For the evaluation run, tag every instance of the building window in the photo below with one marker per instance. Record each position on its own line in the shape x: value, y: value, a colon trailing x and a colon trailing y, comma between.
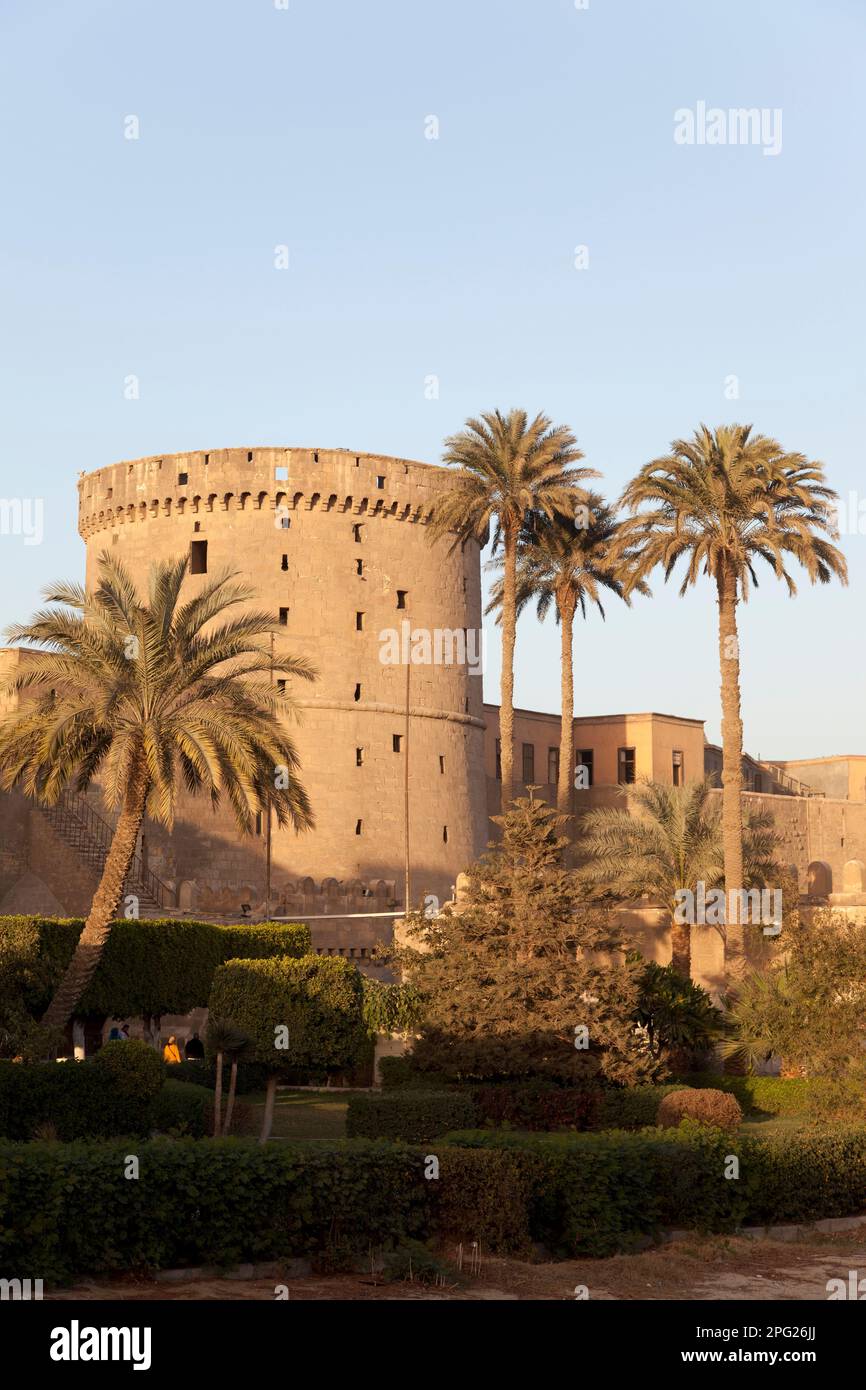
x: 196, y: 526
x: 281, y: 475
x: 316, y: 456
x: 380, y: 482
x: 499, y: 760
x: 359, y: 566
x: 281, y: 686
x: 284, y: 563
x: 758, y: 783
x: 356, y: 532
x: 285, y: 521
x: 359, y: 757
x: 358, y: 827
x: 583, y: 768
x: 625, y: 765
x: 182, y: 479
x: 553, y: 766
x: 677, y: 767
x: 442, y: 763
x: 284, y: 617
x: 528, y: 763
x: 396, y: 742
x: 445, y: 834
x: 401, y: 598
x: 359, y: 622
x: 357, y: 694
x: 198, y: 557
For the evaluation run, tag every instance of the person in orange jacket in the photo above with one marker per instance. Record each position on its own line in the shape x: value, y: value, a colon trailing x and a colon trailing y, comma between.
x: 171, y: 1051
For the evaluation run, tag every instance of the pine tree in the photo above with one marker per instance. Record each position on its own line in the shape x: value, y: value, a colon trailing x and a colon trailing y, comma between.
x: 524, y: 978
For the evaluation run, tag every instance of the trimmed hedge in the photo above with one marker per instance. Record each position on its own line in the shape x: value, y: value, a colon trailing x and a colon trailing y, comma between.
x: 631, y: 1107
x: 67, y: 1210
x: 148, y: 967
x: 773, y: 1095
x: 183, y: 1109
x: 113, y: 1094
x: 413, y: 1116
x: 317, y: 999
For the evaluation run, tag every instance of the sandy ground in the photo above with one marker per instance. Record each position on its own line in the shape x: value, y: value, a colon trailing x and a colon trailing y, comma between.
x: 706, y: 1269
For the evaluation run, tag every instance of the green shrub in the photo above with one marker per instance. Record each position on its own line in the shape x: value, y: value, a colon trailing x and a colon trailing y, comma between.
x: 183, y: 1109
x: 317, y: 1000
x: 631, y: 1107
x: 707, y: 1107
x: 252, y: 1076
x: 807, y: 1175
x: 772, y: 1095
x: 414, y: 1116
x: 390, y: 1008
x: 538, y: 1105
x: 134, y: 1069
x: 79, y: 1100
x: 147, y: 968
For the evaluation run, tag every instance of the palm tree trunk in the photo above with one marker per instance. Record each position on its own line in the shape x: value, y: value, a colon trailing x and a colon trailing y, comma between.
x: 230, y: 1103
x: 566, y: 732
x: 97, y: 928
x: 268, y: 1117
x: 218, y: 1097
x: 509, y: 630
x: 681, y: 948
x: 732, y: 766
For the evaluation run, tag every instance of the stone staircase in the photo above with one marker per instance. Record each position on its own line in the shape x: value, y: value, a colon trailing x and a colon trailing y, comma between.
x: 89, y: 836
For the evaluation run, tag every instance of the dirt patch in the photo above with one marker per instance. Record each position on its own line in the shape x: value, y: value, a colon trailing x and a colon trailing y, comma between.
x: 714, y: 1268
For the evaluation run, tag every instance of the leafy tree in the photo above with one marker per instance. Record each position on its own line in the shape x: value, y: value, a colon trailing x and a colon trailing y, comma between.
x: 679, y: 1016
x: 522, y: 974
x: 566, y: 562
x: 673, y: 843
x: 809, y: 1006
x: 721, y: 501
x: 506, y: 467
x: 143, y: 694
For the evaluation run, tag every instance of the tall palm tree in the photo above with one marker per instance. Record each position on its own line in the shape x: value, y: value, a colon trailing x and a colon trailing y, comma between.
x: 723, y: 500
x: 142, y: 692
x: 673, y: 843
x: 564, y: 562
x: 506, y: 467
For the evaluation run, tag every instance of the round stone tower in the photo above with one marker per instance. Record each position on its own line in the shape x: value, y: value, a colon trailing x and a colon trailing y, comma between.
x: 335, y: 544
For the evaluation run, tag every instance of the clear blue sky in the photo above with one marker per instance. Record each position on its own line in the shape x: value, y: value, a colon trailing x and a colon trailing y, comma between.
x: 455, y: 257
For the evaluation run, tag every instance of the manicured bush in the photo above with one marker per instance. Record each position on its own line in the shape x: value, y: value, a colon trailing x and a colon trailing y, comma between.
x: 414, y: 1116
x: 631, y: 1107
x: 183, y: 1109
x: 313, y: 1004
x: 708, y: 1107
x: 390, y: 1008
x: 133, y: 1068
x: 806, y: 1175
x: 772, y: 1095
x: 77, y: 1100
x: 149, y: 967
x: 538, y: 1105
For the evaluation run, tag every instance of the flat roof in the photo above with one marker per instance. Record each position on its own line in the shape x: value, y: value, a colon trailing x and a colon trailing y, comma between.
x: 602, y: 718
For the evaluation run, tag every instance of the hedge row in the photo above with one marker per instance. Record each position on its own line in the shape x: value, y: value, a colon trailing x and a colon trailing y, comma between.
x: 774, y: 1095
x: 69, y: 1210
x: 148, y: 967
x: 417, y: 1116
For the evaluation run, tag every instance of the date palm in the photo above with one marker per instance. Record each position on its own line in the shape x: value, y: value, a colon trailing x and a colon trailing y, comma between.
x: 721, y: 501
x: 673, y: 842
x: 566, y: 562
x: 506, y: 467
x: 143, y: 694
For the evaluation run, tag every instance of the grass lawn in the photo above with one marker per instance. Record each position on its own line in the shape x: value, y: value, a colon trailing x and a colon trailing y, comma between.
x: 304, y: 1114
x: 761, y: 1126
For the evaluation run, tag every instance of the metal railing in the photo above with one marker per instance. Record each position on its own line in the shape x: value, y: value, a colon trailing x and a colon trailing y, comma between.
x: 85, y: 830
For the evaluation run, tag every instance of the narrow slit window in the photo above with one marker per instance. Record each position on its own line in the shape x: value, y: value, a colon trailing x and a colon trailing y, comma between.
x: 380, y: 482
x: 401, y: 598
x: 445, y: 834
x: 359, y: 757
x: 677, y: 767
x: 284, y: 563
x: 198, y: 557
x: 358, y: 825
x: 357, y: 691
x: 442, y: 763
x: 182, y: 479
x: 281, y: 686
x: 316, y: 456
x: 359, y: 622
x: 359, y: 566
x: 284, y: 617
x: 356, y: 532
x: 396, y: 742
x: 197, y: 526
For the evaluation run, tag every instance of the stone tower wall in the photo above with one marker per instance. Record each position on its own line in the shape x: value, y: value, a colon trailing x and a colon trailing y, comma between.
x: 295, y: 523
